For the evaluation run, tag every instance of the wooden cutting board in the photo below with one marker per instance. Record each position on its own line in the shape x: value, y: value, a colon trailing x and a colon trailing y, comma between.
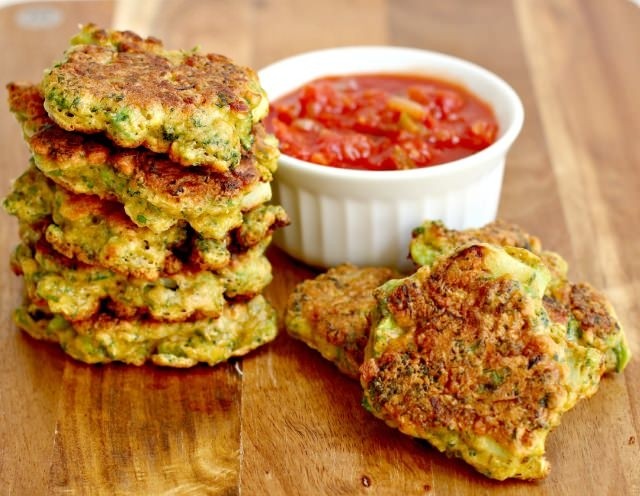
x: 282, y: 420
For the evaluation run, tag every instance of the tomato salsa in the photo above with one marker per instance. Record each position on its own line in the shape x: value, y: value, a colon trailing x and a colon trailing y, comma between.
x: 381, y: 122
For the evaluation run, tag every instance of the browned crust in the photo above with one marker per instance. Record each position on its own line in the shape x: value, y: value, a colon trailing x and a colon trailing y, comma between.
x: 472, y: 362
x: 164, y: 177
x: 592, y: 309
x: 126, y: 63
x: 337, y: 306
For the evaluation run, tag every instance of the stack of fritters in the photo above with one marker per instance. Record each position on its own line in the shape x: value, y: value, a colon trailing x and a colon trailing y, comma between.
x: 480, y: 351
x: 143, y: 213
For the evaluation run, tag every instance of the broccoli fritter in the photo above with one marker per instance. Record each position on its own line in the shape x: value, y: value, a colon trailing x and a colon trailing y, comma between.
x: 464, y: 355
x: 585, y: 313
x: 198, y: 108
x: 432, y: 239
x: 598, y: 325
x: 240, y: 328
x: 78, y: 291
x: 156, y: 192
x: 98, y: 232
x: 92, y: 230
x: 332, y: 313
x: 589, y: 319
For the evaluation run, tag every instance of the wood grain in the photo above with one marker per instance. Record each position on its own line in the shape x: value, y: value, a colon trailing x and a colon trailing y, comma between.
x: 282, y: 420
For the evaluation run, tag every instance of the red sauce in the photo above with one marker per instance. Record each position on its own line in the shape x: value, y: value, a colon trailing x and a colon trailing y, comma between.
x: 381, y: 122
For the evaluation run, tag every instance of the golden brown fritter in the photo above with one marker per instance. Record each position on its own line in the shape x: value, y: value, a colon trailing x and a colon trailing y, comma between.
x: 332, y: 313
x: 78, y: 291
x: 156, y: 192
x: 198, y: 108
x: 98, y: 232
x: 464, y: 355
x: 585, y: 313
x: 590, y: 320
x: 241, y: 327
x: 432, y: 239
x: 575, y: 306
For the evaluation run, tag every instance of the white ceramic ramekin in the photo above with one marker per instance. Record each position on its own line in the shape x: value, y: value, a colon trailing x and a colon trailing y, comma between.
x: 366, y: 217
